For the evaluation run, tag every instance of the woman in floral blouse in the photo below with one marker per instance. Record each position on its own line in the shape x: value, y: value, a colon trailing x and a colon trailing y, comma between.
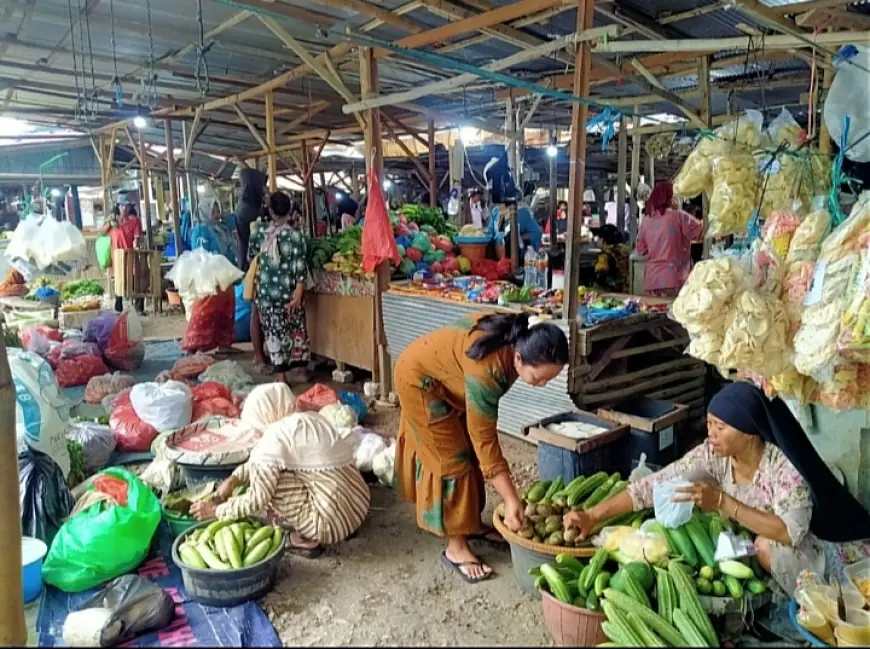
x: 758, y: 468
x: 281, y: 276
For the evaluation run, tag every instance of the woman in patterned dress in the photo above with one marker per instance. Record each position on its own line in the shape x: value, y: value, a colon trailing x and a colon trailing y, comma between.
x: 449, y: 383
x: 665, y: 238
x: 758, y: 468
x: 281, y: 277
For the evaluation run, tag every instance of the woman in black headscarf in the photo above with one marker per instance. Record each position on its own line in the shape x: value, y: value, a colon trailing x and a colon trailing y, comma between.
x: 758, y: 468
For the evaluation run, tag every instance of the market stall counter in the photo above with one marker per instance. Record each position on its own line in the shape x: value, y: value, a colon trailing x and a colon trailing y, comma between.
x: 639, y: 352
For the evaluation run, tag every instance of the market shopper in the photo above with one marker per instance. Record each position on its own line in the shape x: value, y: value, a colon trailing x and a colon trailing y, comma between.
x: 758, y: 468
x: 611, y: 267
x: 301, y: 472
x: 449, y: 384
x: 251, y: 208
x: 124, y: 230
x: 213, y: 230
x: 282, y: 270
x: 665, y: 238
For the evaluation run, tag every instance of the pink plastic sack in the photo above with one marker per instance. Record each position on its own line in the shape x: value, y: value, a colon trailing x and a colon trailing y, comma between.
x: 100, y: 387
x: 211, y: 399
x: 46, y: 332
x: 78, y: 370
x: 131, y: 433
x: 316, y: 398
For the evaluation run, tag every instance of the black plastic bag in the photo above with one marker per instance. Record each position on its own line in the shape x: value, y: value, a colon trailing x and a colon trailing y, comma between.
x: 43, y: 495
x: 137, y: 606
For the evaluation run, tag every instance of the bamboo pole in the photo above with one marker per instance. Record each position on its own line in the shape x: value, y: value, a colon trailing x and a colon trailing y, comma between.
x: 577, y: 173
x: 634, y: 213
x: 621, y: 164
x: 173, y: 185
x: 706, y: 112
x: 374, y: 156
x: 554, y: 190
x: 146, y: 190
x: 433, y: 182
x: 13, y: 631
x: 699, y: 45
x: 270, y: 141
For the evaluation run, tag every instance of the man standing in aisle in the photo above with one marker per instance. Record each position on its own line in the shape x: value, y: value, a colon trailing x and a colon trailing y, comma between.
x: 253, y: 182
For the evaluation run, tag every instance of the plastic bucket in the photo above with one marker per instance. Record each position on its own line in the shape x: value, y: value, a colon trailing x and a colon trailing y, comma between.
x: 473, y: 251
x: 572, y: 626
x: 33, y: 551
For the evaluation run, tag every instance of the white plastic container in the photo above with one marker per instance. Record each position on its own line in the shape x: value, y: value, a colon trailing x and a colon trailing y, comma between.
x: 856, y: 573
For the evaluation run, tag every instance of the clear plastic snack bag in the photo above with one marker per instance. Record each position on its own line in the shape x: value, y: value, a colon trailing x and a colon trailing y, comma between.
x: 668, y: 512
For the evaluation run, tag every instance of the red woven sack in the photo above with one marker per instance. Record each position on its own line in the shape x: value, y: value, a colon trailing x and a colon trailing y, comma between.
x: 212, y: 323
x: 378, y: 244
x: 131, y: 433
x: 78, y: 370
x: 121, y: 352
x: 316, y: 398
x: 213, y: 407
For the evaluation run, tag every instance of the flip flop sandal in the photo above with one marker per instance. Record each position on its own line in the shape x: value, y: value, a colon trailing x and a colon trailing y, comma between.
x: 457, y: 566
x: 492, y: 537
x: 305, y: 553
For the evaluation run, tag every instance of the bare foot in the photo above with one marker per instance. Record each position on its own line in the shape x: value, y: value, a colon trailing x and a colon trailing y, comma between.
x: 299, y: 541
x: 464, y: 561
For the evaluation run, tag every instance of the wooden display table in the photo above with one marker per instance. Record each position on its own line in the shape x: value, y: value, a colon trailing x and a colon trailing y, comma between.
x: 138, y: 274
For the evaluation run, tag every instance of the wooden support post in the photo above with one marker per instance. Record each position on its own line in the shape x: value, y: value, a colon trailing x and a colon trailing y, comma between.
x: 433, y: 183
x: 577, y: 170
x: 13, y: 631
x: 146, y: 190
x: 634, y: 214
x: 621, y: 164
x: 173, y: 186
x: 374, y: 156
x: 706, y: 113
x: 554, y: 190
x: 824, y: 136
x: 309, y: 210
x: 105, y: 179
x: 189, y: 182
x: 270, y: 142
x: 354, y: 184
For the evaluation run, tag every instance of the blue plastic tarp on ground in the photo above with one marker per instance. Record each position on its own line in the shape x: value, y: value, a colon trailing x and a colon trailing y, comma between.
x: 194, y: 625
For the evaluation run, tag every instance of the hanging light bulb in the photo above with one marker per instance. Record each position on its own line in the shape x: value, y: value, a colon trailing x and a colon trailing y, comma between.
x: 55, y: 192
x: 140, y: 122
x: 387, y: 184
x: 467, y: 133
x: 339, y: 196
x: 552, y: 151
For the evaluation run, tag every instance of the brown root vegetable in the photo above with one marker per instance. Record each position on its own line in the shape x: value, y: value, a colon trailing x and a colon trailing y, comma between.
x: 545, y: 510
x: 527, y: 532
x: 531, y: 509
x: 535, y: 518
x: 556, y: 538
x: 570, y: 535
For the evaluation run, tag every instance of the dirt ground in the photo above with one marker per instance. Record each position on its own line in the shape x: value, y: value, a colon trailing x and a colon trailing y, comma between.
x: 387, y: 586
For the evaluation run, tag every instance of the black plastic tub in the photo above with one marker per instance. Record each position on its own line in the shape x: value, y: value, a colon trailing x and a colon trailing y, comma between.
x: 228, y: 587
x: 195, y: 474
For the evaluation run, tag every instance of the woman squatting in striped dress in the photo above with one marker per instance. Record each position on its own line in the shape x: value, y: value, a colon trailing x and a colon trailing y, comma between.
x: 301, y: 474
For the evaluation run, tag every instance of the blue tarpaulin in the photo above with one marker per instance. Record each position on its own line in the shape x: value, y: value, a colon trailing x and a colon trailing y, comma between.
x: 194, y: 625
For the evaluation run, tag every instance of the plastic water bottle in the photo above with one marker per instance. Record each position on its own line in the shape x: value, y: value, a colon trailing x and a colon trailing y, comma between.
x: 529, y: 267
x: 542, y: 270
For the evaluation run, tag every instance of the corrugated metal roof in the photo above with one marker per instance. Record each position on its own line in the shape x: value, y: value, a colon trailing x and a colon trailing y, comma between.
x: 406, y: 318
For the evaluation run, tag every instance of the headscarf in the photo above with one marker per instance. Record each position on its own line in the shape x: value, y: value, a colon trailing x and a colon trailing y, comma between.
x: 214, y: 235
x: 660, y: 198
x: 837, y: 516
x: 303, y: 441
x: 270, y: 240
x: 267, y: 404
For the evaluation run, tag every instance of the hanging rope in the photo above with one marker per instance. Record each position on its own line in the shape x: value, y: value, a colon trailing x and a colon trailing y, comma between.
x: 116, y: 80
x: 72, y: 39
x: 94, y: 95
x: 151, y: 93
x: 201, y: 71
x: 84, y: 98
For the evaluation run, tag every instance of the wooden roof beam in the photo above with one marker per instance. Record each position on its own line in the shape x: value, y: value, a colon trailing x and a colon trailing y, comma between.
x: 407, y: 151
x: 385, y: 16
x: 800, y: 7
x: 505, y: 33
x: 700, y: 45
x: 313, y: 110
x: 461, y: 79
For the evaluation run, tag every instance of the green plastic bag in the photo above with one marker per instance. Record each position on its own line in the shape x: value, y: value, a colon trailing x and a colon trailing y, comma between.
x: 103, y: 250
x: 103, y: 541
